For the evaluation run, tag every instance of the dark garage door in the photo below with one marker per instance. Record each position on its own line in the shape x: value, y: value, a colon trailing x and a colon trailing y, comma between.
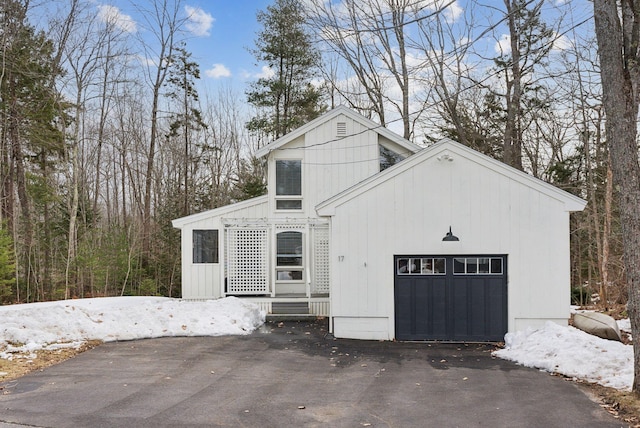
x: 454, y: 298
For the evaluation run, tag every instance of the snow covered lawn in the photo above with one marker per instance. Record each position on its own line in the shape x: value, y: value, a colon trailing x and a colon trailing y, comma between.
x: 69, y: 323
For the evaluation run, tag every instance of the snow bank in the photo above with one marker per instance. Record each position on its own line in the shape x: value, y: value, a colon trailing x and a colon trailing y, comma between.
x: 48, y: 325
x: 573, y: 353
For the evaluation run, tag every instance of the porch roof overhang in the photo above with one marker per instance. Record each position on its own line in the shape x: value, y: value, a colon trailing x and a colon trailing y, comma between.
x: 265, y: 222
x: 179, y: 223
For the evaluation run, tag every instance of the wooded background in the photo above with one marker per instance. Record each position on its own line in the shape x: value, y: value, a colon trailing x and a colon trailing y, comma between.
x: 105, y: 138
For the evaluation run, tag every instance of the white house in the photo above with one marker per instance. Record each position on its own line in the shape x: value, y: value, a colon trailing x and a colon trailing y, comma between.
x: 447, y: 244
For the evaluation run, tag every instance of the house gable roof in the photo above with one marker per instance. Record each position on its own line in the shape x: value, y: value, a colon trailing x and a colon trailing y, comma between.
x: 179, y: 223
x: 446, y: 146
x: 330, y: 115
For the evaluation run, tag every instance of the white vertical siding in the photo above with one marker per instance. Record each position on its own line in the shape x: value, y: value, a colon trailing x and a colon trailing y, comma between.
x: 490, y: 212
x: 205, y: 281
x: 330, y: 164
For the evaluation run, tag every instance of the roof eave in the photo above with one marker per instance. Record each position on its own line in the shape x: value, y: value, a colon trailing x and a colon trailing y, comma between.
x: 179, y: 223
x: 274, y: 145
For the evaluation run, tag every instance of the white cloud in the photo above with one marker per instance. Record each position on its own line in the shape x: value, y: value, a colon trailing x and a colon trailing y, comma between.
x: 218, y: 71
x: 503, y: 46
x: 453, y: 12
x: 199, y: 22
x: 561, y: 42
x: 450, y: 10
x: 114, y: 16
x: 265, y: 73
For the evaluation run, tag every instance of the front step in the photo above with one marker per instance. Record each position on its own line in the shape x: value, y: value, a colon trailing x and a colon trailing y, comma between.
x: 290, y: 308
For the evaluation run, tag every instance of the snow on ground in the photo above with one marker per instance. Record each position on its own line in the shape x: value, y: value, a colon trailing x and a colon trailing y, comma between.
x: 625, y: 325
x: 68, y: 323
x: 573, y: 353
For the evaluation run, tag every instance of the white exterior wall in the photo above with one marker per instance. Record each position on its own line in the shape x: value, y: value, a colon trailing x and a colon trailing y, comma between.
x: 204, y: 280
x: 491, y: 214
x: 329, y: 164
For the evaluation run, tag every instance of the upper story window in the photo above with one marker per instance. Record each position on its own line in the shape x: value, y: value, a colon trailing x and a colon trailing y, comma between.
x: 205, y: 246
x: 288, y: 184
x: 388, y: 157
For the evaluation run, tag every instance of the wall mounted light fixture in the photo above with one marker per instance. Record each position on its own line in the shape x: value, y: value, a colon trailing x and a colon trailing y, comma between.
x: 450, y: 236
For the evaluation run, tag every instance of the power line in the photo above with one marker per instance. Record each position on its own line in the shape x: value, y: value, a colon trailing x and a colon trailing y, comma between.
x: 455, y: 51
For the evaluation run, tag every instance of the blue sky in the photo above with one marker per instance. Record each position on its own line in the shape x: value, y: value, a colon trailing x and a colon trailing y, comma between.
x: 220, y: 31
x: 224, y: 50
x: 218, y: 34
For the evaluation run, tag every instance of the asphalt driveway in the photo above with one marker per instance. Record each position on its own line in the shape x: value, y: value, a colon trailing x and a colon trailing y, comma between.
x: 294, y: 375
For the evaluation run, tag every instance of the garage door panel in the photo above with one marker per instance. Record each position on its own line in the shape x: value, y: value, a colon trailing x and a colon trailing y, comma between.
x: 496, y: 309
x: 460, y: 308
x: 469, y: 304
x: 430, y: 308
x: 477, y: 307
x: 403, y: 306
x: 420, y: 308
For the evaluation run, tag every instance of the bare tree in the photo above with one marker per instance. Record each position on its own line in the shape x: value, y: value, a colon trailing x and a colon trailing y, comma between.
x: 370, y: 37
x: 91, y: 54
x: 618, y: 32
x: 164, y: 23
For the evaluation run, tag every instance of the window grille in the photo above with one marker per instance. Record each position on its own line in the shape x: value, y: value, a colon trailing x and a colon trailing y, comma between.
x: 247, y: 261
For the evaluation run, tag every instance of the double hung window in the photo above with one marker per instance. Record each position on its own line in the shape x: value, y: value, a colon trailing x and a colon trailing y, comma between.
x: 288, y: 184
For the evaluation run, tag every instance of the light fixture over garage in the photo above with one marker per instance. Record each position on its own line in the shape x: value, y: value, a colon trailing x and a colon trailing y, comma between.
x: 450, y: 236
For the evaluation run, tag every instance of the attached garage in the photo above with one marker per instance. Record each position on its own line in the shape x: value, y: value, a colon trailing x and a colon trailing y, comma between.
x: 448, y: 244
x: 456, y: 298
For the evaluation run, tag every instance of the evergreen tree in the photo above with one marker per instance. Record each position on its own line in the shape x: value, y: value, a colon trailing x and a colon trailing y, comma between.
x: 285, y: 99
x: 530, y: 41
x: 479, y: 124
x: 249, y: 182
x: 7, y: 265
x: 182, y: 75
x: 32, y: 119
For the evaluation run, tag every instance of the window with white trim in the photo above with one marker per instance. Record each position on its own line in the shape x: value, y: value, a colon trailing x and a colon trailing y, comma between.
x: 289, y: 256
x: 205, y: 246
x: 289, y: 184
x: 477, y: 266
x: 388, y: 157
x: 421, y: 266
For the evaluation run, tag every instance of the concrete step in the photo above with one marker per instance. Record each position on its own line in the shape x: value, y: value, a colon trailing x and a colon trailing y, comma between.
x: 288, y: 308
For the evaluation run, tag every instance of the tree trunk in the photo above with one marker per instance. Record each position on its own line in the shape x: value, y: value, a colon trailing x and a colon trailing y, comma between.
x: 512, y: 132
x: 617, y: 43
x: 606, y: 232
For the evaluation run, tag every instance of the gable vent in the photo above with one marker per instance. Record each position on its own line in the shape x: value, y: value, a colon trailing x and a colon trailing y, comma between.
x: 341, y: 129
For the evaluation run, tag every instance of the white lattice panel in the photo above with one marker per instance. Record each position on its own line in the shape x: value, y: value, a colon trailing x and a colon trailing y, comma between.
x: 247, y: 261
x: 320, y: 283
